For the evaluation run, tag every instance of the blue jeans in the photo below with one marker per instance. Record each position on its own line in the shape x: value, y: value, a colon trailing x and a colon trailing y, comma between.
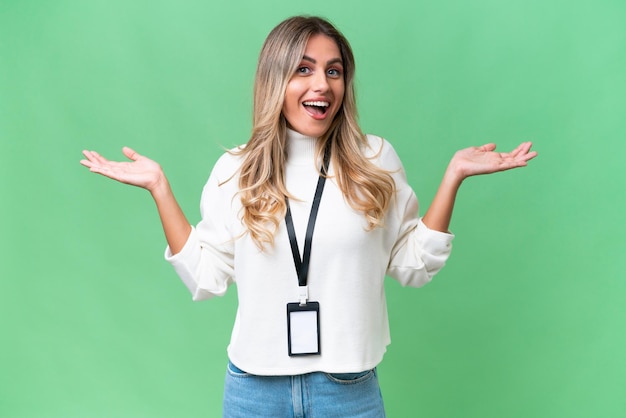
x: 312, y: 395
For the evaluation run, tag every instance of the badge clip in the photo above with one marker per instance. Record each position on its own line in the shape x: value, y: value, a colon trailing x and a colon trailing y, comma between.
x: 304, y: 295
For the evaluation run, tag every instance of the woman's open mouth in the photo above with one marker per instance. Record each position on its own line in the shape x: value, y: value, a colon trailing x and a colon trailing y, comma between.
x: 317, y: 109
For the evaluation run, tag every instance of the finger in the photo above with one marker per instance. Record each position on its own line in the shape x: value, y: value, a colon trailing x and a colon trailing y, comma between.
x: 529, y: 156
x: 517, y: 150
x: 524, y: 152
x: 86, y: 163
x: 131, y: 153
x: 89, y: 155
x: 105, y: 171
x: 92, y: 158
x: 521, y: 150
x: 525, y: 147
x: 522, y: 159
x: 98, y: 158
x: 488, y: 147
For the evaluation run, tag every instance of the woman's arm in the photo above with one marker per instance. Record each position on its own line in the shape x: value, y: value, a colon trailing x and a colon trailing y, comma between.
x: 147, y: 174
x: 471, y: 162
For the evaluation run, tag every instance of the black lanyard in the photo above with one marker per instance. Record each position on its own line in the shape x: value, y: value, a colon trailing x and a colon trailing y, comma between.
x: 302, y: 265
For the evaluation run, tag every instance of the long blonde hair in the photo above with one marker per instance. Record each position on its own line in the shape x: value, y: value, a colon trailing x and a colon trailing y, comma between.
x: 366, y: 187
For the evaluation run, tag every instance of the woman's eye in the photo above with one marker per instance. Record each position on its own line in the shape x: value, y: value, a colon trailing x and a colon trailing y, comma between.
x: 303, y: 70
x: 333, y: 72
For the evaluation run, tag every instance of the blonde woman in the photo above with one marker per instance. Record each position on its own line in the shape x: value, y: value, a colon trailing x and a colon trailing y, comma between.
x: 307, y: 218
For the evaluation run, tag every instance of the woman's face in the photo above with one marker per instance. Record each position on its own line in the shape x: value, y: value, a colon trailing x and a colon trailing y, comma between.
x: 315, y: 92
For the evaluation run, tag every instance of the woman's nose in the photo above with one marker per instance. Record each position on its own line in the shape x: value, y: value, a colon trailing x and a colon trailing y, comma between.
x: 320, y: 83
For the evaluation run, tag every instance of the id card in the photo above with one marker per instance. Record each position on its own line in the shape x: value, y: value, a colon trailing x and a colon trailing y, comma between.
x: 303, y: 329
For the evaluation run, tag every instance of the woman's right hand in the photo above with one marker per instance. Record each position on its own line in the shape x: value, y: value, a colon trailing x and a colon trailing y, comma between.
x: 141, y: 171
x: 145, y: 173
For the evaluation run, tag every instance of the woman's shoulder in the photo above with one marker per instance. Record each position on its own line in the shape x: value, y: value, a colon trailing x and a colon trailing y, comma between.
x: 381, y: 151
x: 227, y: 165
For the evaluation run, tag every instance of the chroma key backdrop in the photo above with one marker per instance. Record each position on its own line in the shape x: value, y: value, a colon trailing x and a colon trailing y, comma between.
x: 528, y: 318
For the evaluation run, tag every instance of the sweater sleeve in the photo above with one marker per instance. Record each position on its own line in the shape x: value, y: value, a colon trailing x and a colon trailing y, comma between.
x: 206, y: 262
x: 418, y: 252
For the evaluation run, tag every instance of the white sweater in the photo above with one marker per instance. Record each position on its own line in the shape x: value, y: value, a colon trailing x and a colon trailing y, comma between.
x: 346, y: 274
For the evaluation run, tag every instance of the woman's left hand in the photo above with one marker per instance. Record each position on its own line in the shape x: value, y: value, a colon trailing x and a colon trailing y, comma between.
x: 471, y: 162
x: 484, y: 160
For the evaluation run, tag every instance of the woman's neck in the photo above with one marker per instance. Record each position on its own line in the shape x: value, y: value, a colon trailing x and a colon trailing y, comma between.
x: 300, y: 148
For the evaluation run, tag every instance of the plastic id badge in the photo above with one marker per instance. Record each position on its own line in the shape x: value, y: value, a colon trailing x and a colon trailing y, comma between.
x: 303, y: 328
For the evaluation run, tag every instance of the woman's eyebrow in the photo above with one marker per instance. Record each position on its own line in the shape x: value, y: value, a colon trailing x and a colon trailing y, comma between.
x: 314, y: 61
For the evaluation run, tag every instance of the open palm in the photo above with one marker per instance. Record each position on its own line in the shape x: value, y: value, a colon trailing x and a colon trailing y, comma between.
x: 484, y: 159
x: 141, y: 171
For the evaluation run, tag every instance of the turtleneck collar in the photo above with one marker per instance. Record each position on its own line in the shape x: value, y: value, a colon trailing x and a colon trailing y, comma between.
x: 300, y: 148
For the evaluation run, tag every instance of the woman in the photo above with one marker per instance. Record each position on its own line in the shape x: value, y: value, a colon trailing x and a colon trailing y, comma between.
x: 311, y: 325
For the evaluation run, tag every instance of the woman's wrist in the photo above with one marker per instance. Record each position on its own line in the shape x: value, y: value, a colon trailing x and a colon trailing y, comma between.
x: 453, y: 175
x: 161, y: 188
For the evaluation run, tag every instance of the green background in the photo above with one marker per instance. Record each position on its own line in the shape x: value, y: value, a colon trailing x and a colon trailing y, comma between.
x: 528, y: 319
